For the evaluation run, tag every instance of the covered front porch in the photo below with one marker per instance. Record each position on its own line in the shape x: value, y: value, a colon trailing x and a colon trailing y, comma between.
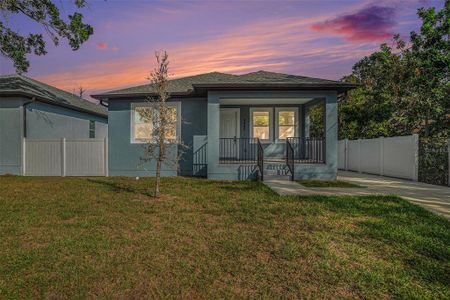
x: 250, y: 133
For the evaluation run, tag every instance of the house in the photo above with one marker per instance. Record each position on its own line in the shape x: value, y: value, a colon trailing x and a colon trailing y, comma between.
x: 236, y: 126
x: 34, y: 110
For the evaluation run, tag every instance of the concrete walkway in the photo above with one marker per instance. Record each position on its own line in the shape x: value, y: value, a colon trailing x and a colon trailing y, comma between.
x: 432, y: 197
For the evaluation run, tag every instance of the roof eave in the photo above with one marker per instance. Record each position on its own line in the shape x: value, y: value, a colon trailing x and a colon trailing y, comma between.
x: 341, y: 87
x: 106, y: 97
x: 52, y: 102
x: 200, y: 89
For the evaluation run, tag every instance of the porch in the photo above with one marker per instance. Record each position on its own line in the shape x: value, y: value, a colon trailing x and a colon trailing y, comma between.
x: 253, y: 134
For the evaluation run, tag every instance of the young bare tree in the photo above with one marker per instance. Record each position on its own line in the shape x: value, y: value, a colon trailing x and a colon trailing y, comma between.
x: 163, y: 145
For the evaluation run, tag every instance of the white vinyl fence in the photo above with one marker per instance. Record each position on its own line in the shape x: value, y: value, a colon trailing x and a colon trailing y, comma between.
x: 65, y: 157
x: 392, y: 156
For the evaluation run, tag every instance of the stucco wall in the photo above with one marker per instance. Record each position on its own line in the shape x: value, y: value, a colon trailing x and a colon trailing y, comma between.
x: 10, y: 136
x: 49, y: 122
x: 43, y: 121
x: 124, y: 157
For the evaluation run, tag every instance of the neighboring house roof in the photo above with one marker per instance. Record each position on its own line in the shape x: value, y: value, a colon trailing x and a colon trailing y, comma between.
x: 25, y: 86
x: 215, y: 80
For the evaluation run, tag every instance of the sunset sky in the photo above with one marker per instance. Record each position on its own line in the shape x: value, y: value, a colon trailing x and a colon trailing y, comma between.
x: 311, y: 38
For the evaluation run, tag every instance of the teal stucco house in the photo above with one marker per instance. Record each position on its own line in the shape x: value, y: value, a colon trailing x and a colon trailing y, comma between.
x: 235, y: 126
x: 33, y: 110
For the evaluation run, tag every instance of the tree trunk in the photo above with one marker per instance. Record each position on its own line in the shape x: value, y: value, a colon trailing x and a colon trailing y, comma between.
x: 158, y: 177
x: 159, y: 162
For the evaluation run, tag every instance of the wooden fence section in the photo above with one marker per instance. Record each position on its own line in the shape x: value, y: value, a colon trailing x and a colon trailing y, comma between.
x: 65, y: 157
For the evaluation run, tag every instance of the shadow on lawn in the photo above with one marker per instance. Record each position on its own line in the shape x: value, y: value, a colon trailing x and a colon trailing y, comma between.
x: 420, y: 238
x: 115, y: 186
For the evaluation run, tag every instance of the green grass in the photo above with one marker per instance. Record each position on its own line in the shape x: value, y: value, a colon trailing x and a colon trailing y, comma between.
x: 106, y: 238
x: 326, y: 183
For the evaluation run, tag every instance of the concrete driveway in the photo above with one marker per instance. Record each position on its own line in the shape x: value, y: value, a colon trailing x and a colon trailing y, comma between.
x: 431, y: 197
x: 434, y: 198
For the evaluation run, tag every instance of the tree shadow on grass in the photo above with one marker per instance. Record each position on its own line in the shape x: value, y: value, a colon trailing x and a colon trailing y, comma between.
x: 117, y: 187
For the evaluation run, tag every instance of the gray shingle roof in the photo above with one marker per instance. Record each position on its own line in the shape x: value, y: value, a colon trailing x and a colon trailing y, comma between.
x: 188, y: 84
x: 22, y: 85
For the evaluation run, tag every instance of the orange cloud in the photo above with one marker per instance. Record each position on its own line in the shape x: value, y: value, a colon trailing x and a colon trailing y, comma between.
x: 272, y: 44
x: 102, y: 46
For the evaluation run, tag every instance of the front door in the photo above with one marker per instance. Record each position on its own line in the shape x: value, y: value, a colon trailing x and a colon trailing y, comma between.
x: 229, y: 133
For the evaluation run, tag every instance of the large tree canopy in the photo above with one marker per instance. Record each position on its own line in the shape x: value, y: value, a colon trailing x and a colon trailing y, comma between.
x: 17, y: 47
x: 405, y: 87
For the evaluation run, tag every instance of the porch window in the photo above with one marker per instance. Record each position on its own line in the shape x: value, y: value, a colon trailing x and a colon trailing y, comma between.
x: 261, y: 118
x: 142, y: 122
x: 286, y: 122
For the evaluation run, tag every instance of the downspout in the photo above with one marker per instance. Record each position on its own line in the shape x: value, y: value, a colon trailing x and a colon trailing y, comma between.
x: 103, y: 104
x: 25, y: 116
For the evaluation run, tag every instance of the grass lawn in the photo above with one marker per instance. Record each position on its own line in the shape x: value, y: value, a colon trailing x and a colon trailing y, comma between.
x: 105, y: 237
x: 325, y: 183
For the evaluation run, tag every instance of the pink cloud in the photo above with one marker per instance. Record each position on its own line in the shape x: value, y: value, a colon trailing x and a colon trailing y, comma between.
x: 102, y: 46
x: 372, y: 23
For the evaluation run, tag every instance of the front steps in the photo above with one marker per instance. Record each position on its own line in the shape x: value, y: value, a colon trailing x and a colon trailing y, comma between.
x: 276, y: 170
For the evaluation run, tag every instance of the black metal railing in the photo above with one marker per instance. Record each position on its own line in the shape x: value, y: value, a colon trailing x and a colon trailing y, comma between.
x: 199, y: 161
x: 238, y: 150
x: 290, y: 158
x: 308, y: 150
x: 260, y: 159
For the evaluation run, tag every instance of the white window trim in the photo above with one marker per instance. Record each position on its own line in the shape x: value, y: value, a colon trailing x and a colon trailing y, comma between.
x: 277, y: 130
x: 264, y: 109
x: 149, y: 104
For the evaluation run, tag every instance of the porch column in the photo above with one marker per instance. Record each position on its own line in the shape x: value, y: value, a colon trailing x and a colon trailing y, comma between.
x: 306, y: 121
x: 213, y: 133
x: 331, y: 131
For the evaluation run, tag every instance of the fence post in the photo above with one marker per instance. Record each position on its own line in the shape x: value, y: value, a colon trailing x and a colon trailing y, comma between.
x: 63, y: 157
x: 346, y: 154
x: 381, y: 155
x: 415, y: 173
x: 448, y: 152
x: 359, y: 155
x: 105, y: 153
x: 24, y: 159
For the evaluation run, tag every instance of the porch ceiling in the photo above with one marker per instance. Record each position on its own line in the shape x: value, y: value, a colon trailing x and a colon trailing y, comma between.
x: 263, y: 101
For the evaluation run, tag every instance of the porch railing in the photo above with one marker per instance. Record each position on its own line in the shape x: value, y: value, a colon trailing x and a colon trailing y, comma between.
x: 238, y: 150
x: 290, y: 158
x: 308, y: 150
x: 261, y: 159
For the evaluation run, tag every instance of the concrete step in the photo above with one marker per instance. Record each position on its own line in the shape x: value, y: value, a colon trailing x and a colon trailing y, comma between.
x: 276, y: 169
x: 277, y: 177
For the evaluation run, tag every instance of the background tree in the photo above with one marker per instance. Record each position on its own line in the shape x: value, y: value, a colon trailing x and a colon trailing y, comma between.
x: 17, y: 47
x: 404, y: 87
x: 163, y: 146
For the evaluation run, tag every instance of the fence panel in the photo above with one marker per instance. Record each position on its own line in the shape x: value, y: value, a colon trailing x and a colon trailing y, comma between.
x: 371, y: 153
x: 341, y: 155
x: 393, y: 156
x: 400, y: 155
x: 353, y: 155
x: 85, y: 157
x: 61, y: 157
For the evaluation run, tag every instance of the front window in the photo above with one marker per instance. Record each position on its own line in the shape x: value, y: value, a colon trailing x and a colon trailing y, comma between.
x: 144, y: 121
x: 286, y: 121
x: 261, y: 120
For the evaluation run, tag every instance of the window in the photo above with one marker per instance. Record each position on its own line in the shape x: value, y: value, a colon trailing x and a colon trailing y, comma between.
x: 92, y: 129
x: 261, y: 120
x: 286, y: 122
x: 143, y: 117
